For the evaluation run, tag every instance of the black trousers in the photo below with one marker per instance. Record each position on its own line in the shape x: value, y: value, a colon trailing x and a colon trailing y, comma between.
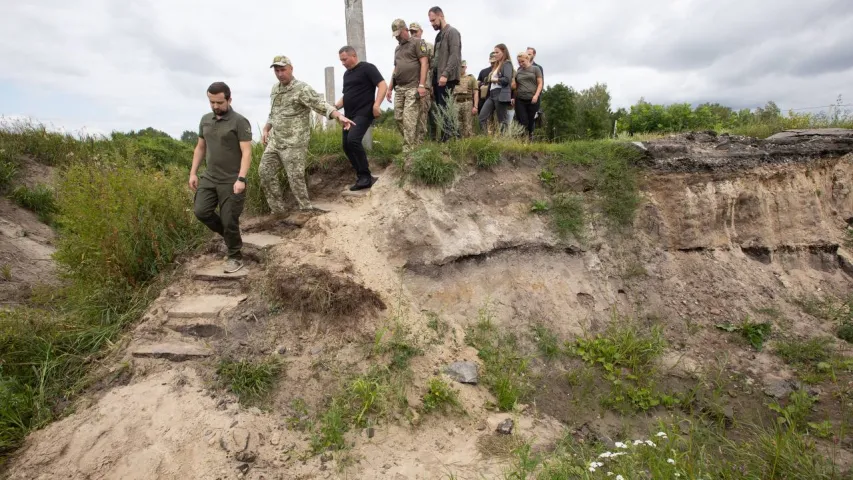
x: 353, y: 147
x: 441, y: 98
x: 525, y: 114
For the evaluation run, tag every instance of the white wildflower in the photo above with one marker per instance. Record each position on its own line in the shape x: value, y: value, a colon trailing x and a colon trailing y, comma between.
x: 677, y: 475
x: 605, y: 455
x: 670, y: 461
x: 617, y: 454
x: 662, y: 434
x: 609, y: 474
x: 621, y: 445
x: 592, y: 469
x: 650, y: 443
x: 638, y: 442
x: 620, y: 477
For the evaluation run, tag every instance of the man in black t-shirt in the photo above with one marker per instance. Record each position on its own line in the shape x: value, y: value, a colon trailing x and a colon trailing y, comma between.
x: 361, y: 104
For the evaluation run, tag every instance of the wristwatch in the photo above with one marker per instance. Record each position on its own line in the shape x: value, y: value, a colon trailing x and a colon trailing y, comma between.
x: 241, y: 179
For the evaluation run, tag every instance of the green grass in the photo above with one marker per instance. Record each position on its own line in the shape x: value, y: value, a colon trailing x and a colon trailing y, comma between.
x: 429, y: 165
x: 774, y: 453
x: 251, y: 381
x: 568, y: 215
x: 547, y: 343
x: 41, y: 200
x: 122, y: 219
x: 754, y: 333
x: 626, y: 353
x: 440, y: 396
x: 507, y: 369
x: 8, y: 166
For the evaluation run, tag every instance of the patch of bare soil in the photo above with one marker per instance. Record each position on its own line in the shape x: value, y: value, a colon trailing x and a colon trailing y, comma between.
x: 26, y: 244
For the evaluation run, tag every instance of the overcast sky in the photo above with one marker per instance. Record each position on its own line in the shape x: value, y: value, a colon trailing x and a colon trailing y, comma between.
x: 110, y: 65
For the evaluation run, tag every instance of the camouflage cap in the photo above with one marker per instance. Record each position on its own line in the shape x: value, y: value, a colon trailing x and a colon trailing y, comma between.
x: 397, y: 26
x: 415, y: 26
x: 280, y: 61
x: 464, y: 63
x: 492, y: 55
x: 523, y: 55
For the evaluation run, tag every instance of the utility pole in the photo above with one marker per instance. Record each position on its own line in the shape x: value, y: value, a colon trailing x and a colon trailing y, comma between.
x: 355, y: 39
x: 330, y: 87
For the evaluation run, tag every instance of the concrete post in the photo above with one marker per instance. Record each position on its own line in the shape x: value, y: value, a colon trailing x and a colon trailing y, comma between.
x: 355, y: 39
x: 330, y: 90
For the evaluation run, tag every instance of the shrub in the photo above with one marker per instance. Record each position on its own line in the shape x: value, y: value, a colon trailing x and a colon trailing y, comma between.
x: 41, y: 200
x: 430, y: 166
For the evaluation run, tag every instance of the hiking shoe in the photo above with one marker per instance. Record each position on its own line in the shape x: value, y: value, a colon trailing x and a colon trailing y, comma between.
x: 233, y: 264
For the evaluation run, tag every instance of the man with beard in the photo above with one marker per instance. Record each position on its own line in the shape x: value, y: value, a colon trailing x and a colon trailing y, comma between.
x: 225, y: 142
x: 448, y: 65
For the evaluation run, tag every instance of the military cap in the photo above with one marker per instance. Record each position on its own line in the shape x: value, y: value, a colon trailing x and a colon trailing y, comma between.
x: 464, y: 63
x: 397, y: 26
x: 280, y: 61
x: 415, y: 26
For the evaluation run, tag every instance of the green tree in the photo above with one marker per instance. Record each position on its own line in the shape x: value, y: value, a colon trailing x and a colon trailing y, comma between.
x: 593, y: 112
x: 190, y: 137
x: 558, y: 106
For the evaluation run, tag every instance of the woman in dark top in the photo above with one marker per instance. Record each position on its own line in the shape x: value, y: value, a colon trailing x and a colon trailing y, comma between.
x: 500, y: 89
x: 529, y: 81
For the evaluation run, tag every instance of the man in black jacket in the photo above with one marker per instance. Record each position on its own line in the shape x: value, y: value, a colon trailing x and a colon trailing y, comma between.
x: 448, y: 64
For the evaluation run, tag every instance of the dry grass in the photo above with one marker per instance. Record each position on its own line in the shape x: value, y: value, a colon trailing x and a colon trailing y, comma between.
x: 309, y: 289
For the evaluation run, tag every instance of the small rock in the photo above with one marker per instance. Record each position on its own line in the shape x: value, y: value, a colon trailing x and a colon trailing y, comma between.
x: 212, y: 439
x: 240, y: 436
x: 275, y: 439
x: 234, y: 424
x: 323, y: 467
x: 370, y: 432
x: 326, y: 457
x: 386, y: 466
x: 608, y: 442
x: 247, y: 456
x: 282, y: 350
x: 415, y: 417
x: 778, y: 388
x: 463, y: 372
x: 482, y: 426
x: 317, y: 350
x: 244, y: 468
x: 288, y: 448
x: 505, y: 427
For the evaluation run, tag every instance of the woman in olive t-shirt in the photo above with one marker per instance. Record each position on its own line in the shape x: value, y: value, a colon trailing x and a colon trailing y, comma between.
x: 529, y: 81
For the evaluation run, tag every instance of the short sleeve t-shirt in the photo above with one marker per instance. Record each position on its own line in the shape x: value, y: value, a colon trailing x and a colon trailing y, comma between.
x: 407, y: 62
x: 525, y: 78
x: 222, y: 137
x: 360, y: 89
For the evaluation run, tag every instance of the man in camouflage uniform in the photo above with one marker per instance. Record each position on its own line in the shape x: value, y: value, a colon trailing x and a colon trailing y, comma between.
x: 467, y: 96
x: 426, y: 122
x: 408, y: 83
x: 286, y: 135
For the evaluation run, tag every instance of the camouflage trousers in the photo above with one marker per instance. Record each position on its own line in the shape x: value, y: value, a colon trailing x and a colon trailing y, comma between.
x: 423, y: 119
x: 292, y: 159
x: 407, y: 113
x: 466, y: 121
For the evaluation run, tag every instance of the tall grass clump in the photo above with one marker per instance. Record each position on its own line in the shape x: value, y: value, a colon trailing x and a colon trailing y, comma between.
x: 121, y: 226
x: 429, y: 165
x: 40, y: 200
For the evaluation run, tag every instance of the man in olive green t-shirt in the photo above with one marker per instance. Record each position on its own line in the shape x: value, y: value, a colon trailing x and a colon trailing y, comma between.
x: 225, y: 141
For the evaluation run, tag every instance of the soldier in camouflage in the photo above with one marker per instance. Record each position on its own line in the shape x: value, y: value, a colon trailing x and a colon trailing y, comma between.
x: 467, y: 97
x: 426, y: 121
x: 286, y: 135
x: 408, y: 83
